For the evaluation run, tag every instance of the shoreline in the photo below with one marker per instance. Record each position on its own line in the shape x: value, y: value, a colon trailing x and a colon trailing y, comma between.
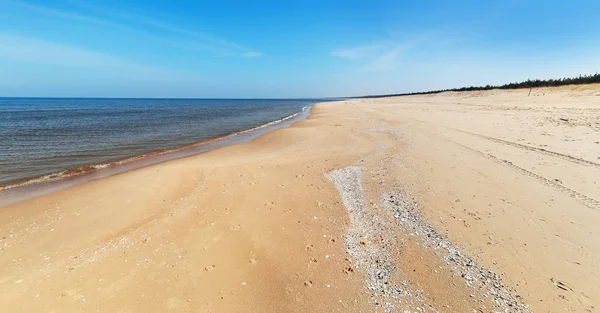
x: 438, y: 203
x: 29, y: 187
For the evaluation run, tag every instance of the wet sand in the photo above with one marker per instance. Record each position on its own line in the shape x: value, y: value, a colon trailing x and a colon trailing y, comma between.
x: 454, y: 202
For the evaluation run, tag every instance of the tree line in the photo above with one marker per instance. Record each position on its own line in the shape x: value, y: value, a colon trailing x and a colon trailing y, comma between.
x: 581, y: 79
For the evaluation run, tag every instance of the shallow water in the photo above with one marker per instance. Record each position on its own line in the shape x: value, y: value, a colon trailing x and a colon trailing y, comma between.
x: 45, y: 138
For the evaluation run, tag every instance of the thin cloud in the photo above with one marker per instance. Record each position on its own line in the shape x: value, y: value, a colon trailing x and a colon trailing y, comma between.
x: 386, y: 61
x: 36, y: 51
x: 253, y: 54
x: 385, y: 55
x: 67, y: 14
x: 165, y: 26
x: 358, y: 52
x: 209, y: 43
x: 381, y: 56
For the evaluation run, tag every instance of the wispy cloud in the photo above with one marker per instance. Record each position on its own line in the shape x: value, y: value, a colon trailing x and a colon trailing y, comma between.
x: 66, y: 14
x: 360, y: 51
x: 36, y: 51
x: 386, y: 61
x: 380, y: 56
x: 385, y: 55
x: 230, y: 48
x: 132, y: 22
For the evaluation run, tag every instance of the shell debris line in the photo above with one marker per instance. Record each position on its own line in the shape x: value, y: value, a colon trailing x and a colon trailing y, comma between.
x: 488, y: 283
x: 372, y: 245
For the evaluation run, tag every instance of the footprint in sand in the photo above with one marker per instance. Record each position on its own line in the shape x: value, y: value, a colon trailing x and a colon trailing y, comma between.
x: 253, y: 261
x: 561, y: 285
x: 174, y: 303
x: 236, y: 227
x: 308, y: 283
x: 309, y: 248
x: 209, y: 268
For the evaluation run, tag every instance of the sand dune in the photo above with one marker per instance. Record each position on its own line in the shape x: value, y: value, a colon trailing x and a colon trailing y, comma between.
x: 454, y: 202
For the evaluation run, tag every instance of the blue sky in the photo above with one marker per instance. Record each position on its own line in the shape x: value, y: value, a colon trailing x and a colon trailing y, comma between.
x: 304, y: 48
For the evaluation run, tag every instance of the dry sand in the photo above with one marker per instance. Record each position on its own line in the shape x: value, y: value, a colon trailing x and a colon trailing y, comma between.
x: 454, y: 202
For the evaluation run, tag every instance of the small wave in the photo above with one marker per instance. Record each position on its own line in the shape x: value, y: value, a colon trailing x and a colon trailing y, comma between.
x: 274, y: 122
x: 40, y: 179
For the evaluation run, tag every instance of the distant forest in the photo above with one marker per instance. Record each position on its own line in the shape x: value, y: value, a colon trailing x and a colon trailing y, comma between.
x: 582, y: 79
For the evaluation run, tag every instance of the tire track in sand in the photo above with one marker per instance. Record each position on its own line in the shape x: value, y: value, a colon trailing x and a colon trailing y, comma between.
x: 581, y: 198
x: 518, y: 145
x: 530, y: 148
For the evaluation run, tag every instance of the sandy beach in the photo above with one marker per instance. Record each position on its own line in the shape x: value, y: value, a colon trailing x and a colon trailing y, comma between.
x: 484, y: 201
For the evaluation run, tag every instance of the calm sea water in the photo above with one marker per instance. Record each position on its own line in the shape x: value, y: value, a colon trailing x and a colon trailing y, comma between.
x: 46, y: 136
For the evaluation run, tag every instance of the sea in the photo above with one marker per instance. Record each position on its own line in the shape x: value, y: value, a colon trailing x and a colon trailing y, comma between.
x: 48, y: 139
